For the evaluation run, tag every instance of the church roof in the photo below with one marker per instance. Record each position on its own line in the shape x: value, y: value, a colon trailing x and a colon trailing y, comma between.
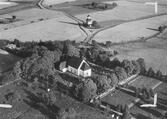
x: 74, y: 62
x: 85, y: 66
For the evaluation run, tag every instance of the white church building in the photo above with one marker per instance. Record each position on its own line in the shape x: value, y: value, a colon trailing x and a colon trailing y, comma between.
x: 79, y: 67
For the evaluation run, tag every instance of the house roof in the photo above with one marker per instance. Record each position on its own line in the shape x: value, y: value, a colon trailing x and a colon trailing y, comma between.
x: 85, y: 66
x: 74, y: 62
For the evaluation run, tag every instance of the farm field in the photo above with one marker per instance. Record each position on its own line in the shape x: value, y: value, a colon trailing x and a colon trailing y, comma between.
x: 153, y: 51
x: 25, y: 17
x: 124, y: 11
x: 52, y: 29
x: 131, y: 31
x: 155, y: 58
x: 7, y: 5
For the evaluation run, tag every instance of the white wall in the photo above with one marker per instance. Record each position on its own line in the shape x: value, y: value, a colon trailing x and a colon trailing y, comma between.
x: 73, y: 70
x: 85, y: 73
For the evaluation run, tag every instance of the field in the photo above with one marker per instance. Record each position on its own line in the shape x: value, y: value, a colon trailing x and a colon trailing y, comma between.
x: 116, y: 98
x: 131, y: 31
x: 124, y: 11
x: 59, y: 27
x: 143, y: 81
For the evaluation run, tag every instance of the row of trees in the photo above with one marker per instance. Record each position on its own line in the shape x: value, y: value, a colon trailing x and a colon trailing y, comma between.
x: 154, y: 74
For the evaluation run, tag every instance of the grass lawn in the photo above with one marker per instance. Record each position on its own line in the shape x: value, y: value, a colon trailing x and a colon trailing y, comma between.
x: 119, y: 97
x: 143, y: 81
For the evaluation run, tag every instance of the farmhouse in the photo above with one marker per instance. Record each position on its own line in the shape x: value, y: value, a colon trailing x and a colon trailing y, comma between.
x: 79, y: 67
x: 89, y: 21
x: 11, y: 46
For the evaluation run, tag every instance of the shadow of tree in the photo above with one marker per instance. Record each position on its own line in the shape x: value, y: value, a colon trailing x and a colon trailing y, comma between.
x: 69, y: 23
x: 34, y: 101
x: 141, y: 116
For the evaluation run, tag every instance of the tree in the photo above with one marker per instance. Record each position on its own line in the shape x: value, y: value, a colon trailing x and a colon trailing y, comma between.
x: 114, y: 79
x: 128, y: 66
x: 95, y: 24
x: 94, y: 52
x: 16, y: 42
x: 13, y: 17
x: 126, y: 113
x: 103, y: 59
x: 121, y: 73
x: 108, y: 43
x: 83, y: 52
x: 119, y: 108
x: 151, y: 72
x: 137, y: 92
x: 136, y: 65
x: 67, y: 113
x: 142, y: 66
x: 159, y: 75
x: 89, y: 90
x: 151, y: 91
x: 73, y: 51
x: 17, y: 70
x: 146, y: 94
x: 103, y: 83
x: 114, y: 63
